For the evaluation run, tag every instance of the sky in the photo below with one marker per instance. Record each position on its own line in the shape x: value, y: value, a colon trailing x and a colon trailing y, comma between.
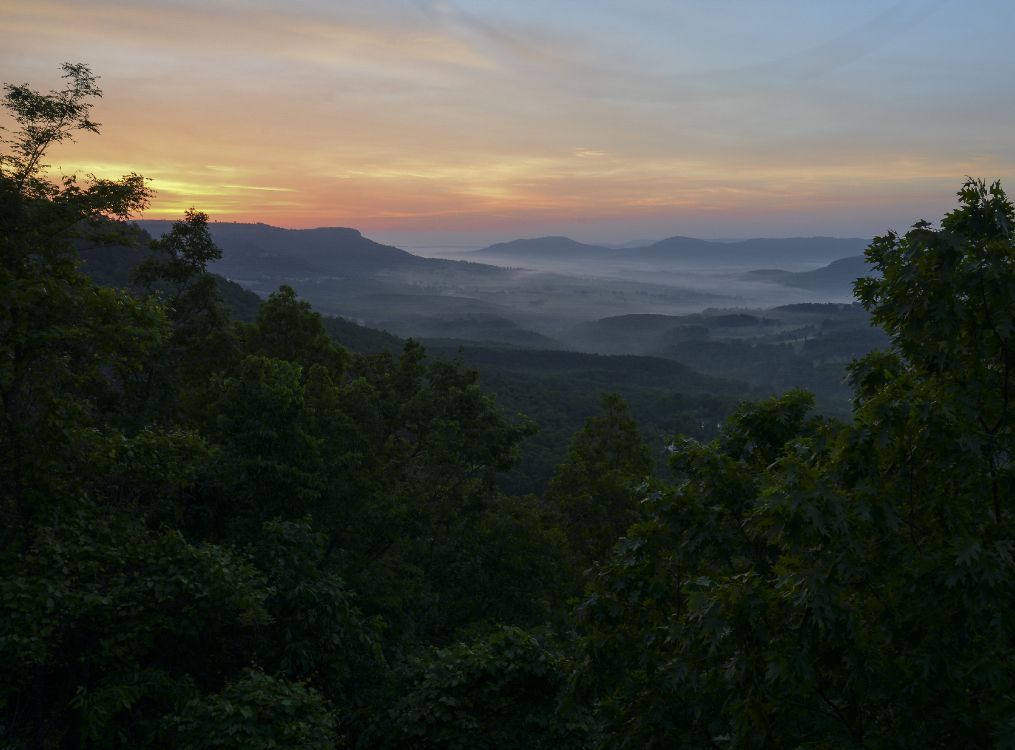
x: 457, y: 123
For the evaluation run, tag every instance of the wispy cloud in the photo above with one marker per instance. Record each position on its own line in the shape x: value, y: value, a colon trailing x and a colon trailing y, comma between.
x: 401, y: 111
x: 261, y: 187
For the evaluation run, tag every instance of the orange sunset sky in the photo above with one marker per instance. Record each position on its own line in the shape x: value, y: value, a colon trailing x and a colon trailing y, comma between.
x: 467, y: 122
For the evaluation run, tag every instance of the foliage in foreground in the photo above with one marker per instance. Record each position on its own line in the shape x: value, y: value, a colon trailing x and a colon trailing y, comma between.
x: 820, y: 584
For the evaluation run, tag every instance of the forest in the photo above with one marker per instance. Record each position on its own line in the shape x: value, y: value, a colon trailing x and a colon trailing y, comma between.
x: 235, y: 523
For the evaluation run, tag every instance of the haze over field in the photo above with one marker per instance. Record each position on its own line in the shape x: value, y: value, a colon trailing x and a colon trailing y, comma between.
x: 529, y: 291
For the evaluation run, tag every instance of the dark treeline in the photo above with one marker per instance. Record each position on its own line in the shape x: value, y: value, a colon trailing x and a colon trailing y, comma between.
x: 234, y: 532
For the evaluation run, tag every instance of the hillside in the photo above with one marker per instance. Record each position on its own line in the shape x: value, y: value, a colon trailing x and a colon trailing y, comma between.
x: 544, y: 248
x: 112, y: 264
x: 526, y: 371
x: 263, y: 250
x: 559, y: 390
x: 680, y: 251
x: 835, y: 278
x: 795, y: 251
x: 773, y: 349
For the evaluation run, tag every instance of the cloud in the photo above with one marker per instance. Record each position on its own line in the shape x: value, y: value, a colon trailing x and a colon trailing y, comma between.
x: 312, y: 112
x: 261, y: 187
x: 300, y: 33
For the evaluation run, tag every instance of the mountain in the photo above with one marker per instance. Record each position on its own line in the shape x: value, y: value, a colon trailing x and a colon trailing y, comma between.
x: 112, y: 265
x: 629, y: 244
x: 680, y: 251
x: 545, y: 248
x: 673, y: 248
x: 790, y: 250
x: 262, y: 249
x: 837, y: 277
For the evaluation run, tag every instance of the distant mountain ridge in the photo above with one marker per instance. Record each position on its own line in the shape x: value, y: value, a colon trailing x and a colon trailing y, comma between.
x: 681, y: 250
x: 545, y: 247
x: 112, y: 265
x: 254, y: 249
x: 258, y: 250
x: 837, y: 277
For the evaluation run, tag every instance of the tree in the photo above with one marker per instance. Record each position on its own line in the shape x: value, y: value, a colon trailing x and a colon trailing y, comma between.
x: 504, y: 691
x: 595, y: 489
x: 119, y: 628
x: 947, y: 299
x: 66, y: 347
x: 202, y: 340
x: 257, y: 712
x: 33, y: 203
x: 808, y: 583
x: 677, y: 611
x: 45, y: 120
x: 287, y: 328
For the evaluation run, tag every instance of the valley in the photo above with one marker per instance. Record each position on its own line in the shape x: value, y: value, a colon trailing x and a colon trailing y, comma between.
x: 533, y: 293
x: 551, y: 324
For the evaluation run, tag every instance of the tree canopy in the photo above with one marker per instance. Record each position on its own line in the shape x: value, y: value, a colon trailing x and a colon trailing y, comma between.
x: 225, y: 534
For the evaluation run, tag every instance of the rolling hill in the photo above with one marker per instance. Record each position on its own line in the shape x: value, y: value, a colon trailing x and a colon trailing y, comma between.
x: 544, y: 248
x: 752, y: 252
x: 835, y: 278
x: 264, y: 250
x: 799, y: 252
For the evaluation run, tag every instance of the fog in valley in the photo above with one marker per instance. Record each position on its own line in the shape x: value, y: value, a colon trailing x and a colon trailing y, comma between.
x: 766, y: 314
x: 544, y: 286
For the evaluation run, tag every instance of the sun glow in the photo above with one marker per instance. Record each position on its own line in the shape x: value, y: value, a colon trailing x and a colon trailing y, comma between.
x: 323, y: 114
